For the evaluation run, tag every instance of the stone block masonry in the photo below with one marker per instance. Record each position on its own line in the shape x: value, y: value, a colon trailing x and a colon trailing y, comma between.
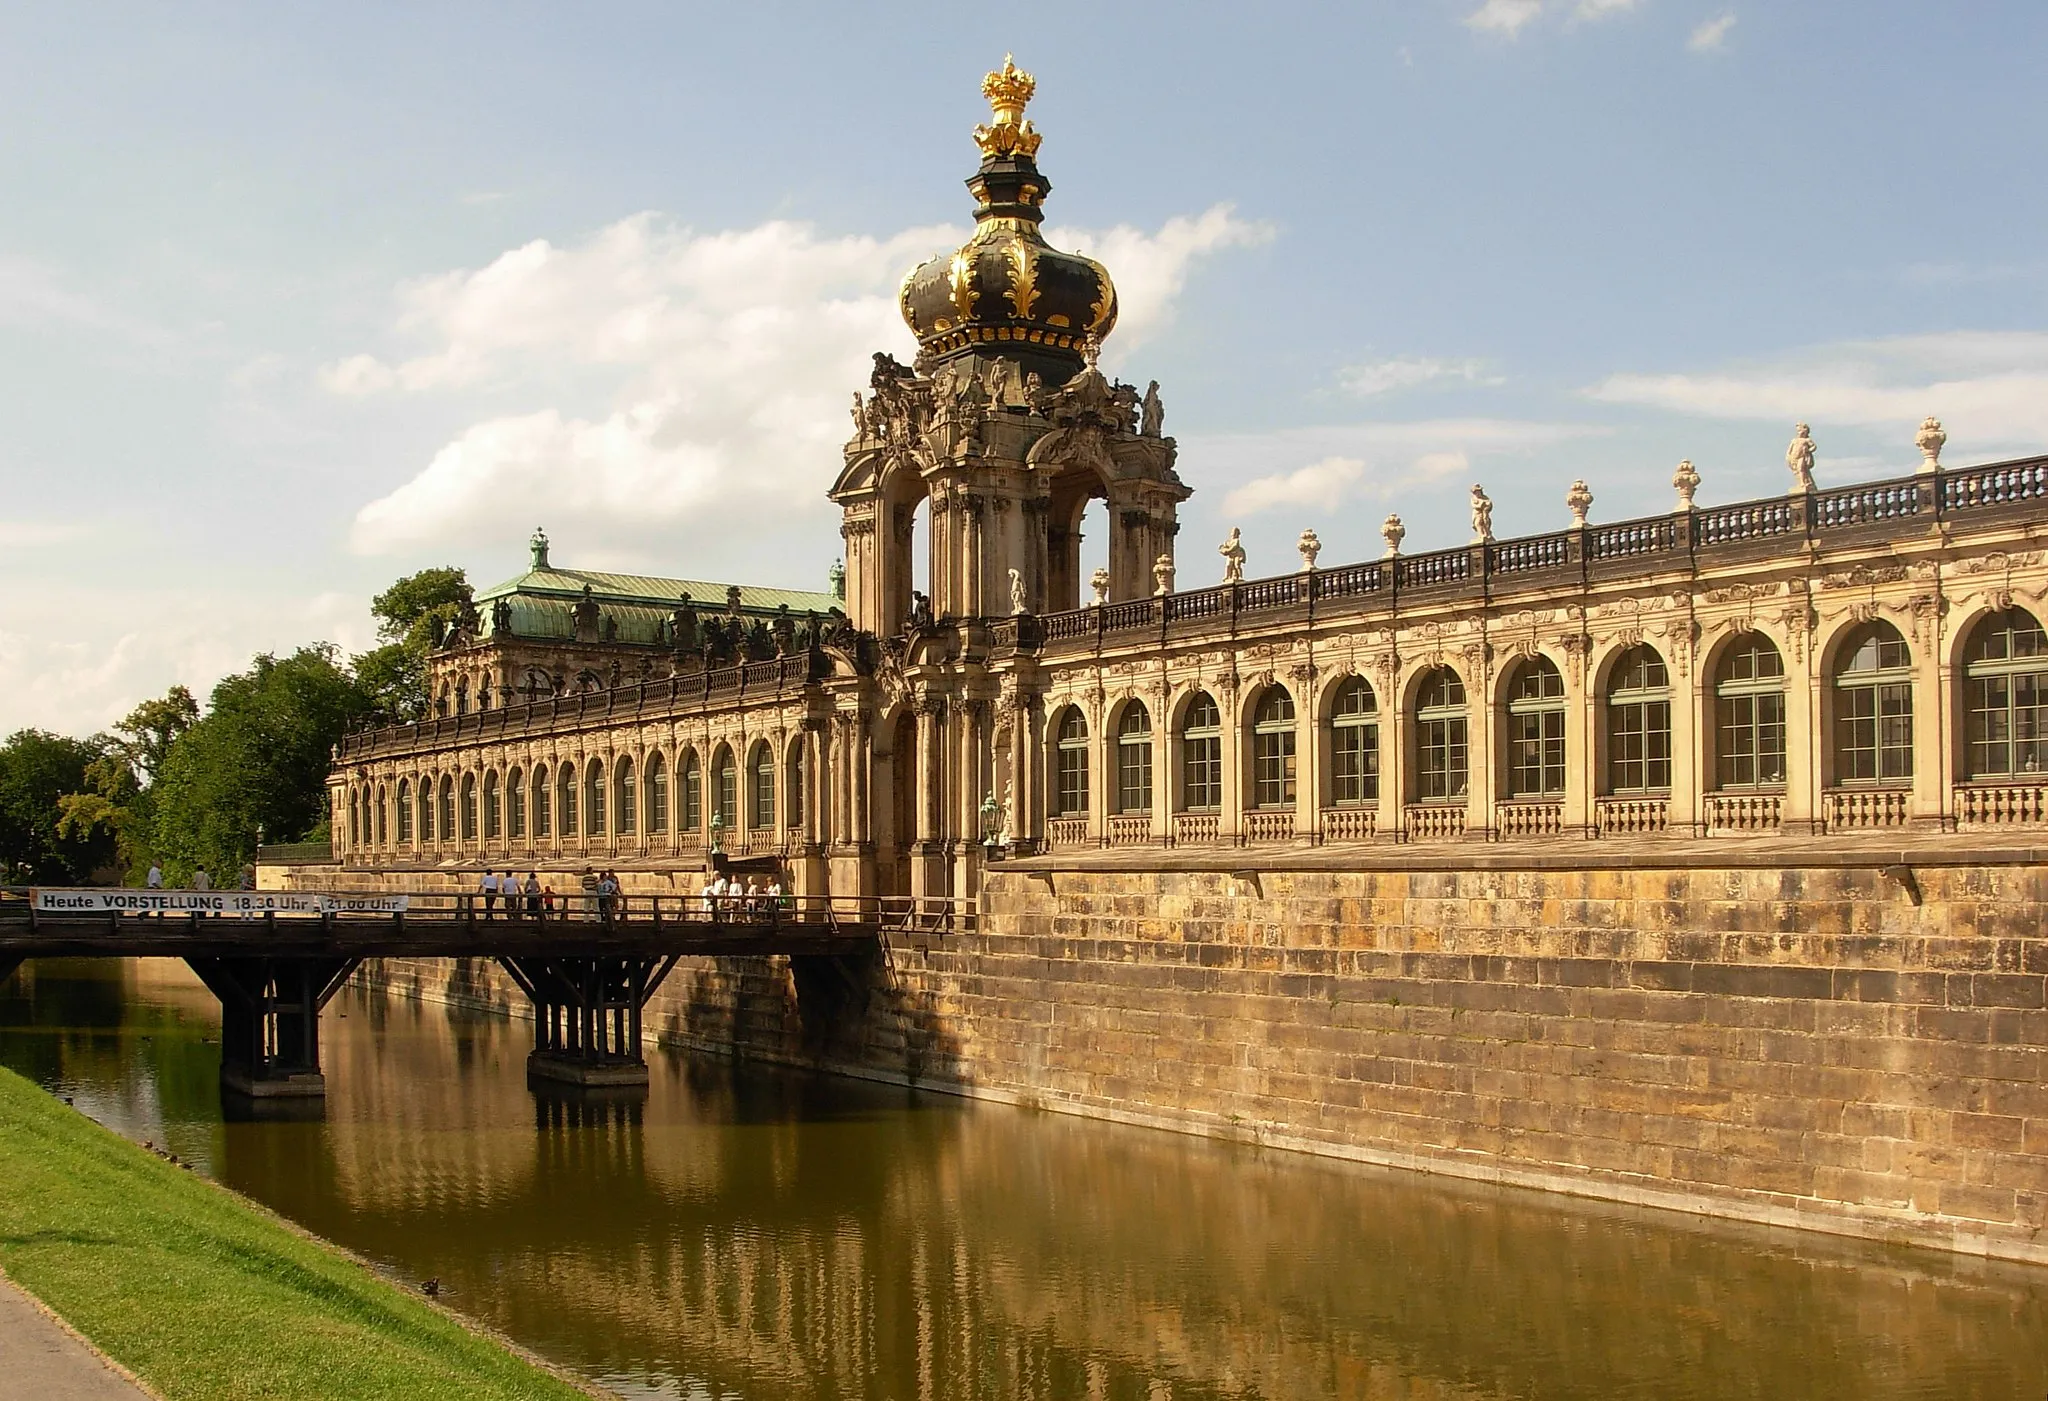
x: 1856, y: 1045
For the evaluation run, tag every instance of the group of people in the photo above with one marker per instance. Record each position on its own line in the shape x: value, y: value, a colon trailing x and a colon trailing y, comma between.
x: 530, y: 899
x: 735, y: 897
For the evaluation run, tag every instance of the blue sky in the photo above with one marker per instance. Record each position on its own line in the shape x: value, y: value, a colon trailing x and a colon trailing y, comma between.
x: 295, y: 300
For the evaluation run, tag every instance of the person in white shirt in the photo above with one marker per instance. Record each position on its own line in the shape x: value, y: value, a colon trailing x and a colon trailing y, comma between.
x: 201, y: 880
x: 708, y: 896
x: 489, y: 886
x: 155, y: 879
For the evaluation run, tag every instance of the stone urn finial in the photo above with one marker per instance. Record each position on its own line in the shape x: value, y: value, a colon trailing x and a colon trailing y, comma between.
x: 1580, y: 500
x: 1393, y: 532
x: 1310, y: 546
x: 1099, y: 581
x: 1162, y: 576
x: 1687, y: 481
x: 1929, y: 440
x: 1799, y: 456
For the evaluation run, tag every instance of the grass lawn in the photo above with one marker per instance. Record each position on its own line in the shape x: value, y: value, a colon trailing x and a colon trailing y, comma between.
x: 207, y: 1298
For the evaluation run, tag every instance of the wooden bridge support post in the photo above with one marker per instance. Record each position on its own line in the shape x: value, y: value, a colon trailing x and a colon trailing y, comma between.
x: 270, y: 1020
x: 587, y: 1015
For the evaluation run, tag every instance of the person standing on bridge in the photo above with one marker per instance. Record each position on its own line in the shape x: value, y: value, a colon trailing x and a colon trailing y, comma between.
x: 201, y: 880
x: 488, y: 888
x: 533, y: 894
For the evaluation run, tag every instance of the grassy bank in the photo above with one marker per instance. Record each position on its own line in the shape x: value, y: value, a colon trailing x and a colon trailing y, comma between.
x: 206, y: 1297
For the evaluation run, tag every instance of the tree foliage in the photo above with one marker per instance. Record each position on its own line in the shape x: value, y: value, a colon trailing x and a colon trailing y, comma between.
x: 37, y: 769
x: 257, y: 761
x: 412, y: 616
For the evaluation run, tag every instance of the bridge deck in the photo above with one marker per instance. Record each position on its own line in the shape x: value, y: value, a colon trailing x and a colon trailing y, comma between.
x: 458, y: 927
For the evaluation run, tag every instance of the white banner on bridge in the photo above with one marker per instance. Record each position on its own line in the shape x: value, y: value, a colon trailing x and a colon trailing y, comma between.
x: 211, y: 902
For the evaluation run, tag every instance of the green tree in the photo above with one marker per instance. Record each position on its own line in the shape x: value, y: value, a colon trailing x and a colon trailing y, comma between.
x: 257, y: 760
x: 117, y: 799
x: 37, y: 769
x: 412, y: 617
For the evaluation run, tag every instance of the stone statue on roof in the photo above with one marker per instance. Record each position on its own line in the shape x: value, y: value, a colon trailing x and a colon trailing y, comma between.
x: 784, y: 631
x: 682, y: 626
x: 501, y: 617
x: 732, y: 600
x: 585, y: 615
x: 1154, y: 412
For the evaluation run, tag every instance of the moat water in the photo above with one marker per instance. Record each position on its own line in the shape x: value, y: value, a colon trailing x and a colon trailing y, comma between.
x: 743, y: 1233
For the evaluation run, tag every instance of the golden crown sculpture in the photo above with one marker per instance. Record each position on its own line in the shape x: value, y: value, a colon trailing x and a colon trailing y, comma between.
x: 1007, y: 90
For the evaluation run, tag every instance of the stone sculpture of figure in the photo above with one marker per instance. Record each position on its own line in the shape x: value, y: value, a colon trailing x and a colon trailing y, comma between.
x: 501, y: 617
x: 784, y: 631
x: 760, y: 642
x: 1393, y: 532
x: 682, y: 626
x: 836, y: 577
x: 612, y: 677
x: 1018, y: 603
x: 1482, y: 515
x: 860, y: 415
x: 1310, y: 544
x: 1124, y: 401
x: 1034, y: 388
x: 437, y: 632
x: 1686, y: 480
x: 1232, y: 551
x: 1162, y: 576
x: 999, y: 383
x: 1154, y: 412
x: 1799, y: 458
x: 732, y: 600
x: 1929, y: 440
x: 585, y: 615
x: 611, y: 628
x: 920, y: 610
x: 1099, y: 581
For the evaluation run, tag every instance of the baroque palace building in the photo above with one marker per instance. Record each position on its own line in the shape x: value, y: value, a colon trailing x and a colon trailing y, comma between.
x: 1860, y: 658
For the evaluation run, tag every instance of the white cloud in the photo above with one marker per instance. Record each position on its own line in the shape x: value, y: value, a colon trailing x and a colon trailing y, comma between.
x: 1504, y: 16
x: 1601, y: 9
x: 725, y: 364
x: 1711, y: 36
x: 1989, y: 388
x: 1355, y: 461
x: 1408, y: 371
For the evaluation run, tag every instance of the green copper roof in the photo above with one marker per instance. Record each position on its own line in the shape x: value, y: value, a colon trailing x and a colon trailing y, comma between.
x: 542, y: 601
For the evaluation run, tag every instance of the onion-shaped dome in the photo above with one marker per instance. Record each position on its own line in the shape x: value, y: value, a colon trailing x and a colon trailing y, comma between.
x: 1006, y: 290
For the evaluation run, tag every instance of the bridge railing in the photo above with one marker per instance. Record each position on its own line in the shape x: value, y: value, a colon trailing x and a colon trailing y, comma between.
x: 727, y: 913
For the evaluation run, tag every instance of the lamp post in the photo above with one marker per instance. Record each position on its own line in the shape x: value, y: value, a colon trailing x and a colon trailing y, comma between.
x: 717, y: 833
x: 991, y: 828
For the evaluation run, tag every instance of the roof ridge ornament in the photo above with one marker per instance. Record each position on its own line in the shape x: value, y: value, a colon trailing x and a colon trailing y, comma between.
x: 1008, y: 89
x: 539, y: 545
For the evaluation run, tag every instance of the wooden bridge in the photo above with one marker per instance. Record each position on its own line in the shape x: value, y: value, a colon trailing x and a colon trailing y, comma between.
x: 587, y: 963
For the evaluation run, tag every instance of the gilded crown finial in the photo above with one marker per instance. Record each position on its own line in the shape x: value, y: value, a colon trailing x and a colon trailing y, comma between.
x: 1008, y: 89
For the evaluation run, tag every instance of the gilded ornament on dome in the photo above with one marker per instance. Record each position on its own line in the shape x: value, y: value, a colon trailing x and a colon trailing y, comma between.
x: 1102, y: 311
x: 1008, y: 89
x: 1023, y: 279
x: 962, y: 283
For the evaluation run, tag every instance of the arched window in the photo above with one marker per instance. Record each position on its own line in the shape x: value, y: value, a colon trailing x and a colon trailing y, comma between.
x: 628, y: 805
x: 1639, y: 723
x: 657, y: 794
x: 383, y: 820
x: 693, y: 793
x: 726, y: 802
x: 1874, y: 707
x: 594, y: 806
x: 447, y: 828
x: 1273, y: 750
x: 1749, y: 719
x: 469, y: 807
x: 1070, y: 775
x: 355, y: 818
x: 404, y: 810
x: 494, y: 809
x: 565, y: 795
x: 515, y: 804
x: 543, y: 803
x: 2005, y: 671
x: 1354, y: 744
x: 426, y: 806
x: 793, y: 785
x: 1442, y: 758
x: 1536, y: 731
x: 1134, y: 759
x: 761, y: 800
x: 1201, y: 755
